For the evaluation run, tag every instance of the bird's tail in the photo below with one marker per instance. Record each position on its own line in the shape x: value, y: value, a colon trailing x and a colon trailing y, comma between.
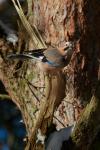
x: 22, y: 57
x: 32, y: 54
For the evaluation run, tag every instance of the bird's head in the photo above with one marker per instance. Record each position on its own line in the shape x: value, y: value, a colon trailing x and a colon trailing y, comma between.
x: 68, y: 51
x: 67, y: 48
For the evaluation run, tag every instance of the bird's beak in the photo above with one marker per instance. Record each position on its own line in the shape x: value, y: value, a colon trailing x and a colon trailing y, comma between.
x: 67, y: 45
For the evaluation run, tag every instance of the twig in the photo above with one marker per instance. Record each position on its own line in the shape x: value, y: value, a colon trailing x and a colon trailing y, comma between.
x: 36, y: 88
x: 4, y: 97
x: 37, y: 39
x: 59, y: 121
x: 33, y: 92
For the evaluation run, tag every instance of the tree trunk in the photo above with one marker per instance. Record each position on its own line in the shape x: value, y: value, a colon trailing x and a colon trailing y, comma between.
x: 88, y: 125
x: 59, y: 21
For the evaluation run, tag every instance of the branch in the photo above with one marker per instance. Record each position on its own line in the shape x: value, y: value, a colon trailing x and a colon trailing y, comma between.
x: 33, y: 33
x: 4, y: 97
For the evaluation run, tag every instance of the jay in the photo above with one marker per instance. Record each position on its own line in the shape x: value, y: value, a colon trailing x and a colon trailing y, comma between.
x: 48, y: 59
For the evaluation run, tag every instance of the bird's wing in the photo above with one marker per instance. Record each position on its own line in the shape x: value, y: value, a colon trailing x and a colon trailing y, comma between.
x: 53, y: 55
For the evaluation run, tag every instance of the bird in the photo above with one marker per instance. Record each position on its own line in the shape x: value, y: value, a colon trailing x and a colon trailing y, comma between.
x: 56, y: 139
x: 48, y: 59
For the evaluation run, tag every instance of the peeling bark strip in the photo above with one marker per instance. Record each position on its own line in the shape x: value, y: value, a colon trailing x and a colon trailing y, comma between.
x: 54, y: 94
